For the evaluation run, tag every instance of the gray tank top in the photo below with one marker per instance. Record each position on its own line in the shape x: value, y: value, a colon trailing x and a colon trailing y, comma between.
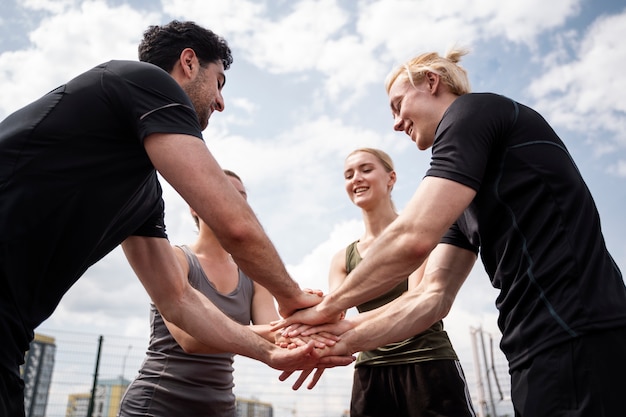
x: 172, y: 382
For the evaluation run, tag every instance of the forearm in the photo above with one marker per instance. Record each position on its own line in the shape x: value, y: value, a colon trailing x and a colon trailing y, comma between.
x: 212, y: 330
x: 420, y: 307
x: 256, y: 255
x: 405, y: 244
x: 156, y: 266
x: 388, y: 262
x: 406, y: 316
x: 186, y: 163
x: 265, y: 331
x: 191, y: 344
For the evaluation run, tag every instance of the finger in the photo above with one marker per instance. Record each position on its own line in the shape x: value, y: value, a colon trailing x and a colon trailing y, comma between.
x: 309, y: 349
x: 316, y: 329
x: 296, y: 329
x: 303, y: 376
x: 296, y: 341
x: 321, y: 339
x: 285, y: 375
x: 316, y: 377
x: 332, y: 361
x: 278, y: 324
x: 329, y: 336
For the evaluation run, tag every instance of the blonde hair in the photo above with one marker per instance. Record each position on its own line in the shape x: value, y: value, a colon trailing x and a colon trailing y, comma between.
x: 382, y: 156
x: 384, y: 159
x: 452, y: 75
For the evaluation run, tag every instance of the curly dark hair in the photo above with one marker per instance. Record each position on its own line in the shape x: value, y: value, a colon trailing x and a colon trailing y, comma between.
x: 162, y: 45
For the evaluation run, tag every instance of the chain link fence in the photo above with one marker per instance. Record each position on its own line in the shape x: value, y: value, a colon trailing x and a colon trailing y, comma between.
x: 105, y: 364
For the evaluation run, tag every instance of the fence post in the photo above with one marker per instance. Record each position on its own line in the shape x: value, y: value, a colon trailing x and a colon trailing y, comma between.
x: 493, y: 404
x: 95, y: 379
x: 479, y: 380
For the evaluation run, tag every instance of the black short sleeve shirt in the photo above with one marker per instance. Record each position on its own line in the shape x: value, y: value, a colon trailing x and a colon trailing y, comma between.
x: 75, y: 181
x: 534, y: 220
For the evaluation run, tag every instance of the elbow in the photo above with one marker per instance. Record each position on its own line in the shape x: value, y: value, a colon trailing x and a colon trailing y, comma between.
x: 417, y: 246
x: 235, y: 233
x: 415, y: 240
x: 444, y: 307
x: 168, y: 311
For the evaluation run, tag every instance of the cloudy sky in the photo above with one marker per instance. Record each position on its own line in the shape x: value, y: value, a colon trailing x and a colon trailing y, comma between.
x: 306, y: 88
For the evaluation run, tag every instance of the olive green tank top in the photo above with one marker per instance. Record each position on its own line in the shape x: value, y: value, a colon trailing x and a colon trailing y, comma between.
x: 432, y: 344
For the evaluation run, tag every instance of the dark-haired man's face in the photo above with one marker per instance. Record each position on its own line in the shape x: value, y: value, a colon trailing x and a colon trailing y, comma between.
x: 205, y: 91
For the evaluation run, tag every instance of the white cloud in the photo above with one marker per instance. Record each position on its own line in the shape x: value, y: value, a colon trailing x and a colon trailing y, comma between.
x: 312, y: 271
x: 109, y: 296
x: 353, y: 47
x: 67, y: 43
x: 522, y: 21
x: 299, y: 173
x: 585, y: 93
x: 226, y: 18
x: 52, y: 6
x: 297, y: 40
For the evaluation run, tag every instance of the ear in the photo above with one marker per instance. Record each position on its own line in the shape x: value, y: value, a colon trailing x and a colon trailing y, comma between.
x: 433, y: 81
x: 392, y: 180
x: 188, y: 62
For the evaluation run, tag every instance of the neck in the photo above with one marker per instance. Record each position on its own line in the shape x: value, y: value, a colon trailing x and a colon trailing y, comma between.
x: 376, y: 221
x: 209, y: 247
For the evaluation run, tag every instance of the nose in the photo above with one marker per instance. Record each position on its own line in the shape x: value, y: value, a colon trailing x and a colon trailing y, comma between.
x: 398, y: 123
x: 219, y: 102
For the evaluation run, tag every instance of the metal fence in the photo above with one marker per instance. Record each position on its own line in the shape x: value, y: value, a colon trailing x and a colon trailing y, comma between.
x: 120, y: 357
x: 490, y: 378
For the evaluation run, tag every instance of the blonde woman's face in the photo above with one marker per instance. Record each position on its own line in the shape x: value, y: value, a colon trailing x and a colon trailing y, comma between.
x: 413, y: 112
x: 366, y: 180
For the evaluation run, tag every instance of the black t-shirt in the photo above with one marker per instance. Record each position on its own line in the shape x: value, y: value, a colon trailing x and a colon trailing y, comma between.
x: 75, y: 181
x: 534, y: 220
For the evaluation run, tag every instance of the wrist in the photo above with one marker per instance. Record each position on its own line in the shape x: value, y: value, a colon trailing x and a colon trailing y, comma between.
x: 287, y: 295
x: 272, y: 350
x: 328, y: 308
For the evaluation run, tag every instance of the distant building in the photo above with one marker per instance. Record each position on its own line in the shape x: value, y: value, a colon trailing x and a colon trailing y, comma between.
x: 77, y: 405
x: 37, y: 374
x: 253, y: 408
x: 106, y: 400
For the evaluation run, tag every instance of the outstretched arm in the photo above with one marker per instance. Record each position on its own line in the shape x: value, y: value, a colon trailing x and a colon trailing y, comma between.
x: 412, y: 313
x: 155, y: 264
x: 419, y: 308
x: 400, y: 250
x: 263, y: 312
x: 186, y: 163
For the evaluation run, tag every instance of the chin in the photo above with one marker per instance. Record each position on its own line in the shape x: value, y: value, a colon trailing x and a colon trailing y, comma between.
x: 422, y: 145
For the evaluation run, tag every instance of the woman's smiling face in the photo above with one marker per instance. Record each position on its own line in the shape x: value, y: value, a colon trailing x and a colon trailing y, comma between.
x: 366, y: 179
